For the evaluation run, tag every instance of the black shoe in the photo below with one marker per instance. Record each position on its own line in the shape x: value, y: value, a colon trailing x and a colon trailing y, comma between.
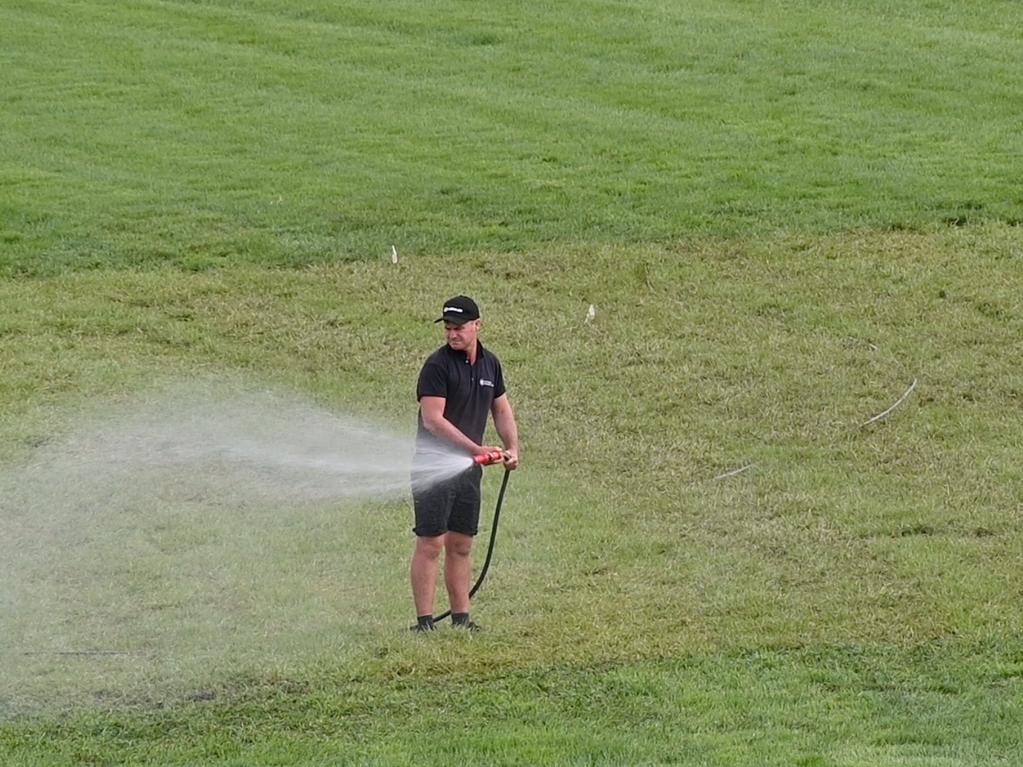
x: 472, y: 628
x: 423, y: 624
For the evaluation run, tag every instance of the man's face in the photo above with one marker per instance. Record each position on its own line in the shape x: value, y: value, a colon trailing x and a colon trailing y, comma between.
x: 461, y: 337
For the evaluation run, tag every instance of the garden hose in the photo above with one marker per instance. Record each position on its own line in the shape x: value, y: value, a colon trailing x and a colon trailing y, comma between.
x: 490, y: 547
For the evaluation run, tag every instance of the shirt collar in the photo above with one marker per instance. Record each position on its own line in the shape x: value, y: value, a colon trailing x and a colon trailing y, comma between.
x: 462, y: 355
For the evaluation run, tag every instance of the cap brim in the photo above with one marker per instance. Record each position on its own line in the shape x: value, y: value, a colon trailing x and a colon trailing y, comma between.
x: 454, y: 320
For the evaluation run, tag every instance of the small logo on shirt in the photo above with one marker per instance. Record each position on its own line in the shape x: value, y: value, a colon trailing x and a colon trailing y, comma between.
x: 486, y: 382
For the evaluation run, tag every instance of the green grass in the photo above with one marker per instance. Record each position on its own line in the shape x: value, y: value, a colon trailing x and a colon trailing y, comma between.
x: 620, y: 553
x: 828, y: 706
x: 200, y: 134
x: 783, y: 214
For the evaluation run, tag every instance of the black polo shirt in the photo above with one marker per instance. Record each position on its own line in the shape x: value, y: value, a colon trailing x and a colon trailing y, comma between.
x: 469, y: 391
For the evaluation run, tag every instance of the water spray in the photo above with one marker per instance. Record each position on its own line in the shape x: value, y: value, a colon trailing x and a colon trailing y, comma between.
x: 208, y: 488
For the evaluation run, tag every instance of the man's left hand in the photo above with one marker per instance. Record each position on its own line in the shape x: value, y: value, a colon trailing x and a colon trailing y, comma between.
x: 511, y: 459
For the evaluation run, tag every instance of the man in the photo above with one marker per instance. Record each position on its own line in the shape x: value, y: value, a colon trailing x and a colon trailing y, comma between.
x: 459, y: 385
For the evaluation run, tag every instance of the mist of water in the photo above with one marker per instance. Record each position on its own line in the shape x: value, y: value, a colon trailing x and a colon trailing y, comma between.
x: 192, y: 524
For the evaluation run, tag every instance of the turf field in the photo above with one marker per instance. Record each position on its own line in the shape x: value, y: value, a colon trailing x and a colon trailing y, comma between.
x: 770, y: 510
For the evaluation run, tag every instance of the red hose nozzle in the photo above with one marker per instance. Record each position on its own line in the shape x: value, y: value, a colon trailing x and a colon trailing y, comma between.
x: 486, y: 459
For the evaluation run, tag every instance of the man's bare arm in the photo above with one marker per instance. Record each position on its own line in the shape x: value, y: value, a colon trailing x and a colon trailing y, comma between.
x: 433, y: 419
x: 507, y: 429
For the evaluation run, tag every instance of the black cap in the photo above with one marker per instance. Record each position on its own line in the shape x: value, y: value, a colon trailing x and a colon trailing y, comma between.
x: 460, y: 310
